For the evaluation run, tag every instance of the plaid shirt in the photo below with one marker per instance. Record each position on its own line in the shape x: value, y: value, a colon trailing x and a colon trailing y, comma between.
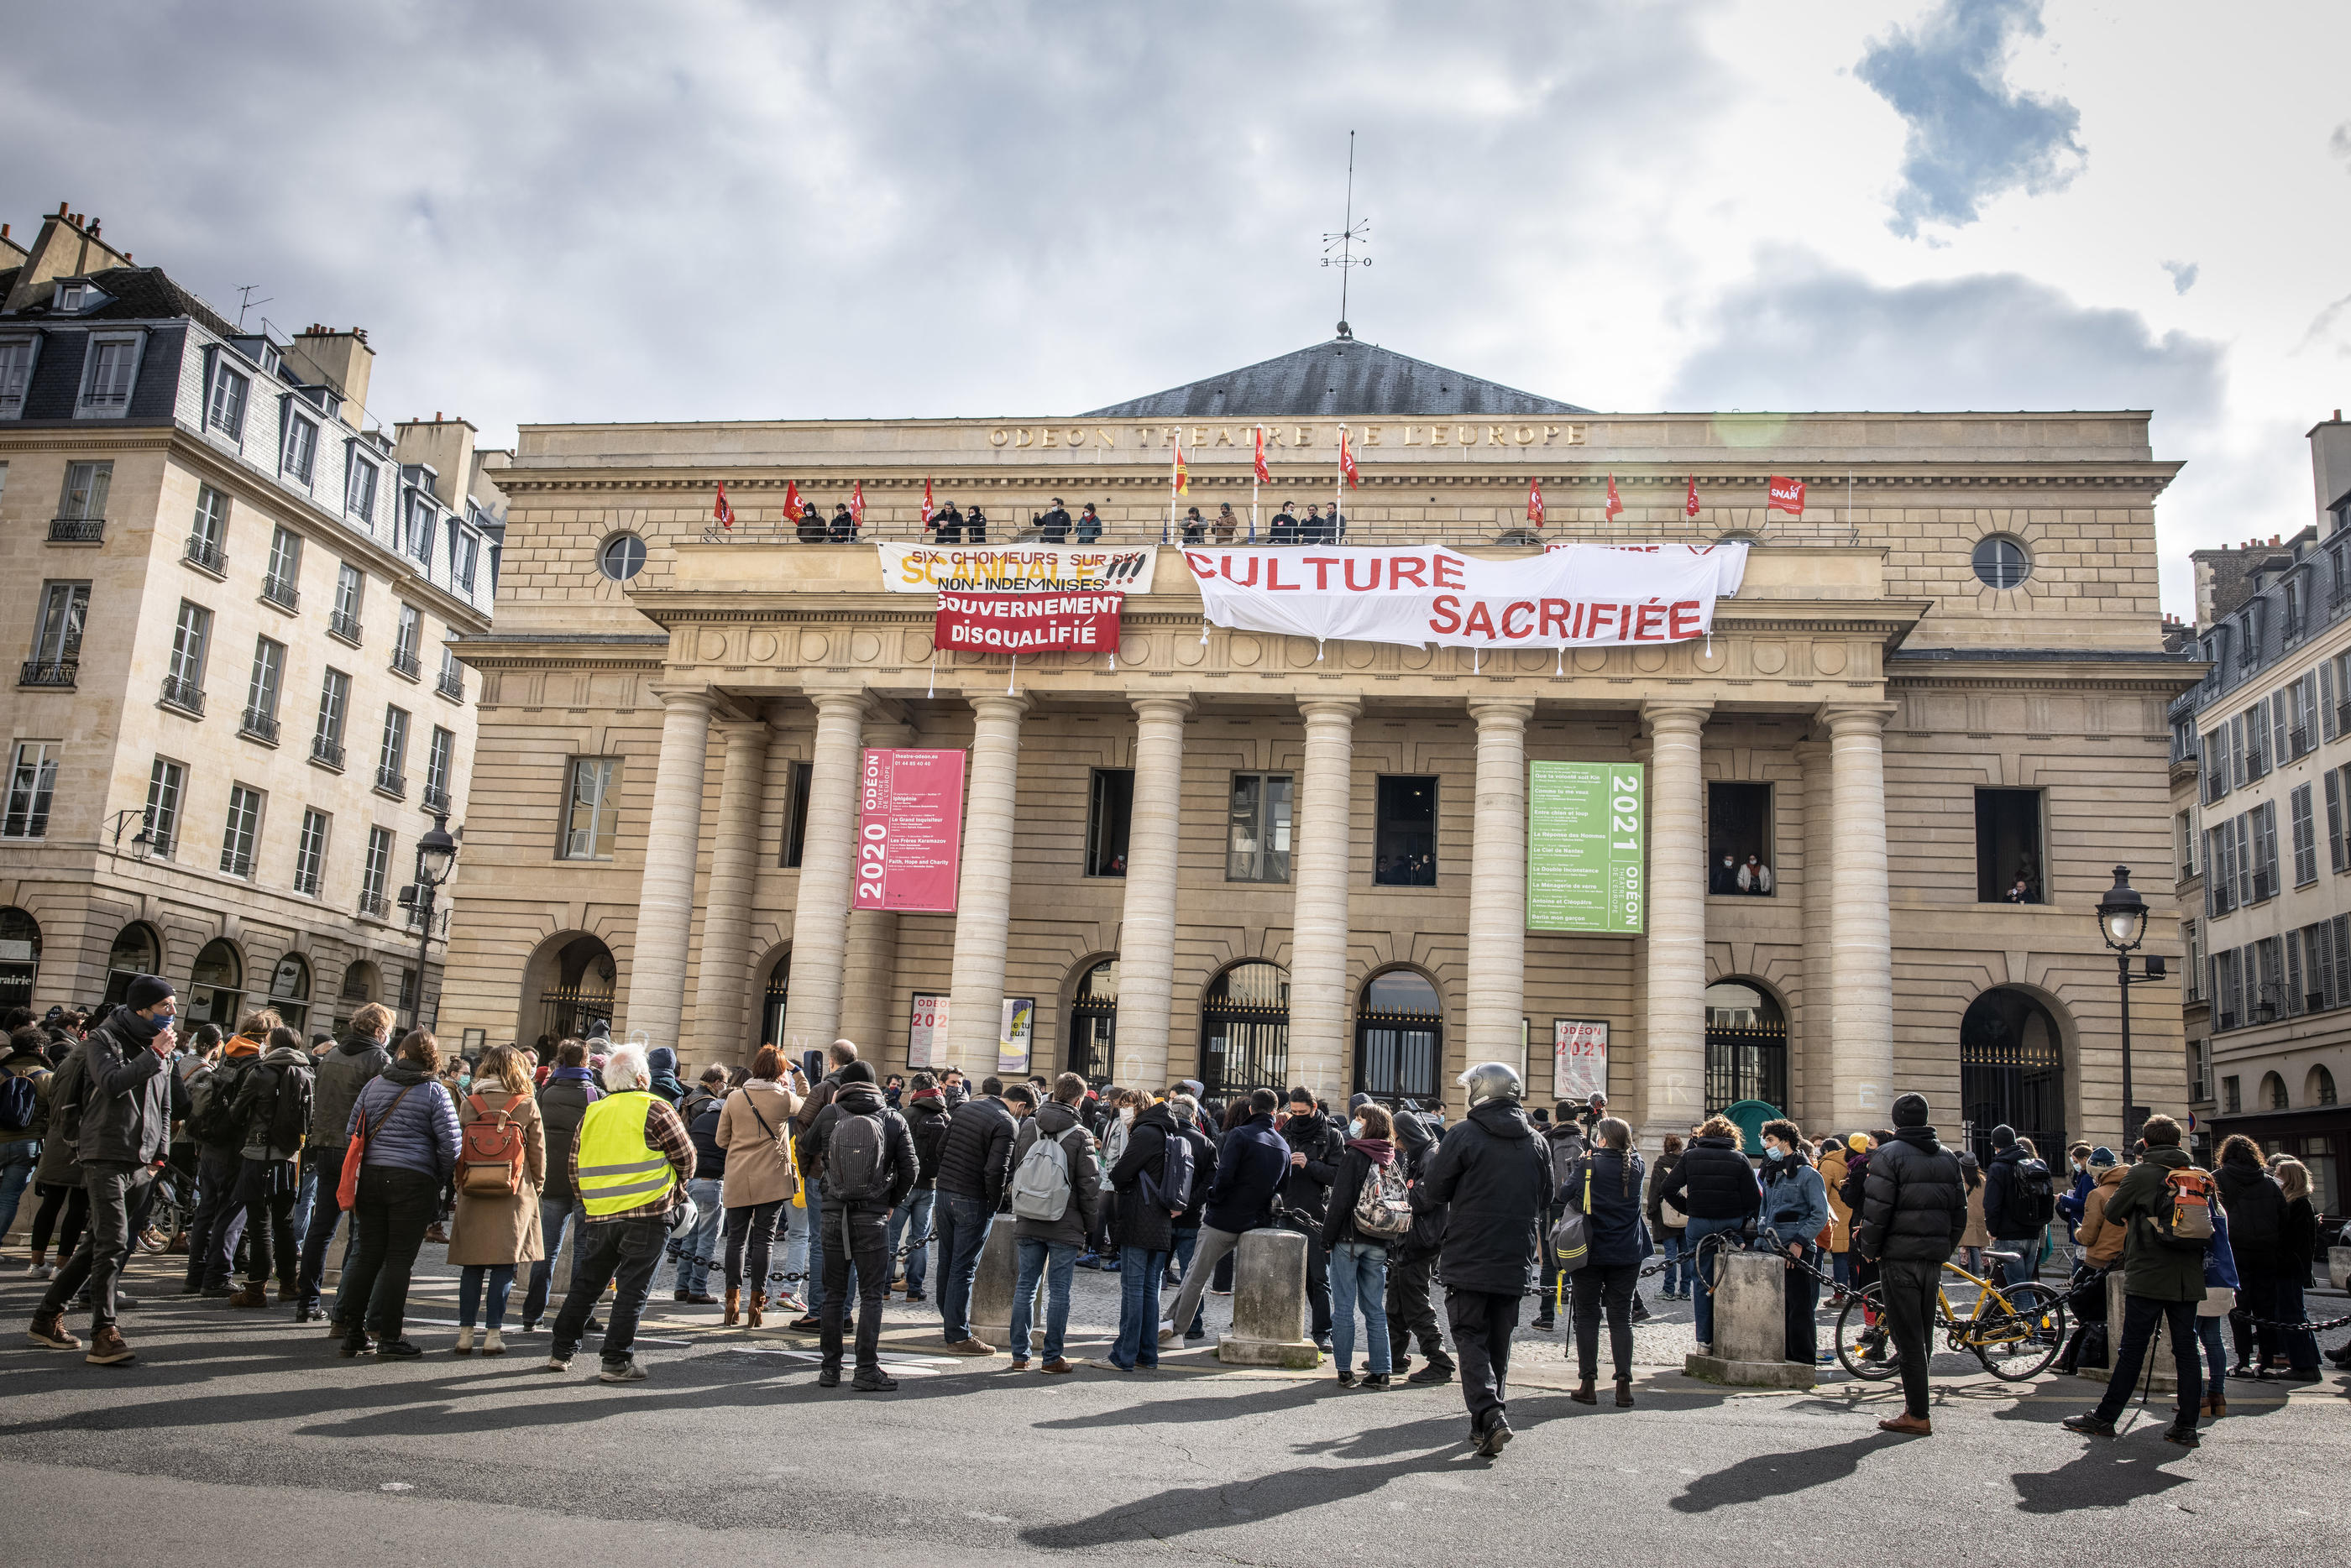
x: 665, y: 1133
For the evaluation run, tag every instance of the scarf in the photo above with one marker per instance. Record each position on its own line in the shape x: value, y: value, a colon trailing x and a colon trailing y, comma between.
x: 1378, y: 1150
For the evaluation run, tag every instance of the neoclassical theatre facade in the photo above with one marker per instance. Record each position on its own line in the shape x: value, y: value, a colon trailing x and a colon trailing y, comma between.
x: 1933, y: 712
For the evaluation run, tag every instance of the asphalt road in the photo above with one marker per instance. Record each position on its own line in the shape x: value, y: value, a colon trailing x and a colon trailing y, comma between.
x: 239, y: 1438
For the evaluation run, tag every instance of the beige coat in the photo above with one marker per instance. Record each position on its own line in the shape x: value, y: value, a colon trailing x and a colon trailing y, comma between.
x: 1833, y: 1173
x: 2101, y: 1240
x: 759, y: 1157
x: 495, y: 1230
x: 1977, y: 1233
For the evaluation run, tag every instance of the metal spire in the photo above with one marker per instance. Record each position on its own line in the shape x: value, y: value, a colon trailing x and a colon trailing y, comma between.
x: 1345, y: 240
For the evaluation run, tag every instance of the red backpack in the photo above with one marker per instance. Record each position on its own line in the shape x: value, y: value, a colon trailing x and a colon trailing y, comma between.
x: 490, y: 1151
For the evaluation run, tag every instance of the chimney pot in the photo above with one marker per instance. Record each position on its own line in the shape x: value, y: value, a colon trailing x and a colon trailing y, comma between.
x: 3, y: 234
x: 61, y: 209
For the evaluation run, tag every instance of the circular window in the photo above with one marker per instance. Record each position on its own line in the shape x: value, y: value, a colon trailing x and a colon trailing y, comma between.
x: 622, y: 557
x: 2000, y: 562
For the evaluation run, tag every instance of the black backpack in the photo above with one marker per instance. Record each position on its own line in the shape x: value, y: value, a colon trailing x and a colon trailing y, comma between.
x: 2036, y: 1192
x: 1173, y: 1191
x: 856, y: 1167
x: 212, y: 1105
x: 290, y: 1118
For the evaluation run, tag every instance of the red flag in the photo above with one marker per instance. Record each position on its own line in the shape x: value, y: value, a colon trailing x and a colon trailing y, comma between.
x: 1616, y: 502
x: 1264, y: 474
x: 1183, y: 473
x: 724, y: 513
x: 857, y: 503
x: 1535, y: 502
x: 926, y: 497
x: 1787, y: 495
x: 792, y: 498
x: 1689, y: 503
x: 1347, y: 460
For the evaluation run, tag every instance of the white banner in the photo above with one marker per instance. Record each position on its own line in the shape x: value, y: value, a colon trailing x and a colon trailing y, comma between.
x: 1579, y: 1060
x: 1578, y: 596
x: 1015, y: 568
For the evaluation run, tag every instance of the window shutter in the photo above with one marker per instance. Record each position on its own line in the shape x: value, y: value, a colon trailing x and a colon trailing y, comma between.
x: 2333, y: 820
x: 2326, y: 700
x: 2281, y: 743
x: 2292, y: 973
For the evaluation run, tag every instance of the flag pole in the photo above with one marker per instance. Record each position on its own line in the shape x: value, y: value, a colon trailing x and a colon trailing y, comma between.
x: 1338, y: 482
x: 1174, y: 466
x: 1258, y: 431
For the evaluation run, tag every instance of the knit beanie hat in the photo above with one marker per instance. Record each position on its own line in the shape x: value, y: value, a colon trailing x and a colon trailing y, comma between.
x: 1910, y: 1111
x: 2102, y: 1158
x: 1858, y: 1143
x: 146, y: 990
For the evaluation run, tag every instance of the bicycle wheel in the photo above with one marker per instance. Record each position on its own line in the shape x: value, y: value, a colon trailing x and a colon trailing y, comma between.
x: 1864, y: 1344
x: 2018, y: 1331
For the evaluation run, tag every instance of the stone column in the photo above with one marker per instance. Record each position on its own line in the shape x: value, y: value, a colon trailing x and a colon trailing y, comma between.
x: 1673, y: 1025
x: 1498, y: 886
x: 1815, y: 1067
x: 1147, y: 930
x: 1322, y: 842
x: 673, y: 847
x: 723, y: 980
x: 828, y: 872
x: 983, y: 900
x: 1861, y: 927
x: 870, y: 977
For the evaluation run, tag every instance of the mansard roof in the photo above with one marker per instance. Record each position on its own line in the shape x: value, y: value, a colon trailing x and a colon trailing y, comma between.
x: 1341, y: 378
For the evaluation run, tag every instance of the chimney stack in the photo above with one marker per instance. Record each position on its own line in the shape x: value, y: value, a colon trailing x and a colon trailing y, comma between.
x: 341, y: 359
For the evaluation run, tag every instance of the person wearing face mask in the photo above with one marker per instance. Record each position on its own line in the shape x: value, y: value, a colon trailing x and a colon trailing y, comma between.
x: 1316, y: 1144
x: 1359, y: 1262
x: 1795, y: 1210
x: 113, y: 1102
x: 1724, y: 878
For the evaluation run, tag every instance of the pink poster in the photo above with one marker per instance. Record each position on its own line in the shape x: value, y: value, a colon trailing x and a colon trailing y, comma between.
x: 909, y: 829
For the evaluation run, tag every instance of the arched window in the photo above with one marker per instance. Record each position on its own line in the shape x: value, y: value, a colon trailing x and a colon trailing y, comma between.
x: 216, y: 984
x: 1245, y: 1030
x: 20, y: 956
x: 136, y: 951
x: 2273, y: 1096
x: 773, y: 1000
x: 1745, y: 1046
x: 359, y: 981
x: 289, y: 991
x: 1093, y: 1023
x: 2012, y: 1070
x: 2319, y: 1089
x: 1399, y: 1036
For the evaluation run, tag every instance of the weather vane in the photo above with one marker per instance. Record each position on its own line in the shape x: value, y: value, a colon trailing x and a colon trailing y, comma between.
x: 1346, y: 240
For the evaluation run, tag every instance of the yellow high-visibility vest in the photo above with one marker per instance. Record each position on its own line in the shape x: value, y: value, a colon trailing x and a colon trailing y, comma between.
x: 619, y: 1170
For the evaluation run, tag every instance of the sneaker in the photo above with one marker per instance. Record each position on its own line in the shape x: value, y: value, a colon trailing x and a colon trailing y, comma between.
x: 805, y: 1323
x: 789, y: 1302
x: 1435, y: 1371
x: 1497, y: 1437
x: 1104, y: 1364
x: 1346, y: 1378
x: 107, y: 1349
x: 1087, y: 1260
x: 1213, y: 1291
x: 628, y: 1371
x: 1544, y: 1325
x: 397, y: 1350
x: 828, y: 1377
x: 871, y: 1380
x: 51, y: 1331
x: 559, y: 1361
x: 2090, y: 1424
x: 1376, y: 1382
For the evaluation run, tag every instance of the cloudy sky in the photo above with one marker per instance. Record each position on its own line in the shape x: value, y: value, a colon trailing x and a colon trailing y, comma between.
x: 599, y: 209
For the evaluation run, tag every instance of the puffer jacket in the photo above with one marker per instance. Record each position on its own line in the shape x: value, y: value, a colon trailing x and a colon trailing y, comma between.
x: 1056, y: 1120
x: 1250, y: 1161
x: 341, y: 1073
x: 927, y: 1120
x: 1496, y: 1176
x: 1916, y: 1208
x: 976, y: 1156
x: 1714, y: 1181
x: 563, y: 1102
x: 1611, y: 1179
x: 1140, y: 1222
x: 2256, y: 1207
x: 1307, y: 1187
x: 420, y: 1135
x: 125, y: 1097
x: 1660, y: 1174
x: 1415, y: 1145
x: 256, y: 1100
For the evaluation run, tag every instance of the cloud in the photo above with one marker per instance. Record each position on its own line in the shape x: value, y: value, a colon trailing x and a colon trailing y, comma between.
x: 1803, y: 334
x: 2183, y: 276
x: 2339, y: 144
x: 1971, y: 136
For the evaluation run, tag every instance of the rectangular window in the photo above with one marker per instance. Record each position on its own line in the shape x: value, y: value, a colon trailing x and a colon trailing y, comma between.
x: 2008, y: 847
x: 311, y: 853
x: 113, y: 364
x: 2221, y: 871
x: 2212, y: 760
x: 84, y: 500
x: 2292, y: 994
x: 1258, y: 846
x: 2341, y: 926
x: 1110, y: 813
x: 376, y: 872
x: 2245, y: 857
x: 350, y: 588
x: 2268, y: 981
x: 65, y: 609
x: 453, y: 675
x: 594, y: 812
x: 404, y: 640
x: 359, y: 486
x: 285, y: 564
x: 1404, y: 830
x: 242, y: 837
x: 208, y: 532
x: 268, y: 671
x: 2333, y: 820
x: 15, y: 376
x: 2183, y: 842
x: 2318, y: 966
x: 334, y: 700
x: 163, y: 783
x: 2265, y: 850
x: 2232, y: 1097
x: 2281, y: 731
x: 224, y: 411
x: 2306, y: 713
x: 32, y: 781
x: 301, y: 453
x: 1739, y: 839
x: 795, y: 814
x: 392, y: 758
x: 422, y: 516
x: 465, y: 553
x: 188, y: 642
x: 438, y: 760
x: 2228, y: 970
x: 2305, y: 838
x: 2191, y: 968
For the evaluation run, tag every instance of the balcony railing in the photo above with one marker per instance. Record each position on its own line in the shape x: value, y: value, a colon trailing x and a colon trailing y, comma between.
x: 1021, y: 523
x: 306, y: 882
x: 261, y: 726
x: 2257, y: 765
x: 185, y: 695
x: 2300, y: 740
x: 371, y: 904
x: 436, y: 798
x: 2314, y: 1002
x: 235, y: 864
x: 2224, y: 899
x: 345, y: 626
x: 2226, y: 1020
x: 403, y: 663
x: 451, y: 685
x: 327, y: 751
x: 51, y: 672
x: 202, y: 551
x: 77, y: 530
x: 2264, y: 887
x: 391, y: 783
x: 281, y: 593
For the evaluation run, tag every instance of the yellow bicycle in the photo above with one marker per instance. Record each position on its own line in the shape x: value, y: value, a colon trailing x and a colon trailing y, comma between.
x: 2016, y: 1331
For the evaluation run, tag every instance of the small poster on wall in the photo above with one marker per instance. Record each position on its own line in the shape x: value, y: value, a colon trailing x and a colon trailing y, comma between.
x: 1579, y: 1062
x: 1020, y: 1029
x: 927, y: 1032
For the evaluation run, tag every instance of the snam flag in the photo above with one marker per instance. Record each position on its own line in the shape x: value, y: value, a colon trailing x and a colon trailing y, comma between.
x: 1786, y: 495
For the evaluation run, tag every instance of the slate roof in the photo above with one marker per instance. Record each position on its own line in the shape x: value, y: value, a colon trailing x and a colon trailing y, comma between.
x: 1340, y: 377
x: 135, y: 293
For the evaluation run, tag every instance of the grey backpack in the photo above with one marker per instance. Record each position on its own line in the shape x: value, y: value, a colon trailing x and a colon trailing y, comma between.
x: 1040, y: 1186
x: 854, y: 1166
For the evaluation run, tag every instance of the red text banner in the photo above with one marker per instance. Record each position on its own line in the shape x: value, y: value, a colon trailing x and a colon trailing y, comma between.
x: 909, y: 829
x: 1026, y: 623
x: 1595, y: 596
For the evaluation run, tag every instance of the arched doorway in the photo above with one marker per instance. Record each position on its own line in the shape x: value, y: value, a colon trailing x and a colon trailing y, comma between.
x: 289, y: 992
x: 216, y: 985
x: 20, y: 956
x: 1399, y: 1036
x: 2012, y: 1071
x: 567, y: 990
x: 1093, y: 1023
x: 1245, y: 1029
x: 137, y: 951
x: 774, y: 1000
x: 1745, y: 1046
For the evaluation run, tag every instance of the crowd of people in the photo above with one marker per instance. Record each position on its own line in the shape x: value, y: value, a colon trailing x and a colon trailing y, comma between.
x: 509, y: 1154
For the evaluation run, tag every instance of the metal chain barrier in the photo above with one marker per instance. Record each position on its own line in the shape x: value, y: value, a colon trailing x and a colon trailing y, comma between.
x: 675, y: 1251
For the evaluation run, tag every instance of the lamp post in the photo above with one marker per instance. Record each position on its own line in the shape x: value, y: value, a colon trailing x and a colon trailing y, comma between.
x: 436, y: 857
x: 2122, y: 921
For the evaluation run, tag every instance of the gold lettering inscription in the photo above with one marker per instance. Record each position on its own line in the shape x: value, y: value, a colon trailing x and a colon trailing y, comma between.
x: 1224, y: 436
x: 1524, y: 435
x: 1305, y: 436
x: 998, y: 436
x: 1051, y: 439
x: 1024, y: 437
x: 1372, y: 435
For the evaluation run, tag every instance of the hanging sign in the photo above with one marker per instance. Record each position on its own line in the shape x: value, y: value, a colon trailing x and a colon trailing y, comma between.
x: 1027, y: 623
x: 1586, y: 827
x: 909, y: 829
x: 1018, y: 1031
x: 1015, y: 568
x: 1577, y: 595
x: 926, y: 1032
x: 1578, y: 1058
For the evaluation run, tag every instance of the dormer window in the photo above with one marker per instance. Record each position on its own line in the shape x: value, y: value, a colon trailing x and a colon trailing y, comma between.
x: 74, y: 297
x: 108, y: 375
x: 301, y: 450
x: 224, y: 407
x: 15, y: 374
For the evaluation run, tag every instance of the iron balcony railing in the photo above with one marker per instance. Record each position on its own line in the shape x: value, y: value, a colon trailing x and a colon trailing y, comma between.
x: 345, y: 626
x: 436, y: 798
x: 391, y: 783
x: 371, y: 904
x: 451, y: 685
x: 327, y: 751
x: 403, y: 663
x: 202, y: 552
x: 235, y: 864
x: 77, y: 530
x: 185, y: 695
x: 261, y: 726
x: 280, y: 592
x: 51, y: 672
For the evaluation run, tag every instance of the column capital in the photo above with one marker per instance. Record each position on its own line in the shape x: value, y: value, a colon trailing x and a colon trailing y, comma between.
x: 1502, y: 712
x: 842, y: 704
x: 1675, y: 716
x: 700, y: 697
x: 1174, y: 705
x: 998, y: 705
x: 1852, y: 718
x: 1347, y: 708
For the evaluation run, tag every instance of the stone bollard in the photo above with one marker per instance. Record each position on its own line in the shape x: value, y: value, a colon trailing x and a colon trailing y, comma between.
x: 992, y: 1287
x: 1269, y: 1304
x: 2338, y: 1267
x: 1750, y: 1327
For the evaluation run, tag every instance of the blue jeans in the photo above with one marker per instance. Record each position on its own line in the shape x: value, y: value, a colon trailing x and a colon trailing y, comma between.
x: 2027, y: 1264
x: 911, y: 1220
x: 963, y: 1225
x: 2216, y: 1354
x: 1840, y: 1270
x: 471, y: 1278
x: 1359, y: 1276
x: 1057, y: 1262
x: 1138, y: 1308
x: 18, y: 1159
x: 1697, y: 1232
x: 306, y: 1197
x: 1187, y: 1241
x: 555, y: 1214
x: 695, y: 1248
x: 1678, y: 1264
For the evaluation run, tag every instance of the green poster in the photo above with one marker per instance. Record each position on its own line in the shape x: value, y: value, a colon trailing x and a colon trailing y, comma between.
x: 1585, y: 827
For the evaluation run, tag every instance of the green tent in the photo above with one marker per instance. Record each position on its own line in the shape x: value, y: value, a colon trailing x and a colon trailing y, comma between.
x: 1750, y: 1115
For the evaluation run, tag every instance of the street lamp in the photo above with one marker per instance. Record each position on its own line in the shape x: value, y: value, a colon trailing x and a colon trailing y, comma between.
x: 2122, y: 921
x: 436, y: 857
